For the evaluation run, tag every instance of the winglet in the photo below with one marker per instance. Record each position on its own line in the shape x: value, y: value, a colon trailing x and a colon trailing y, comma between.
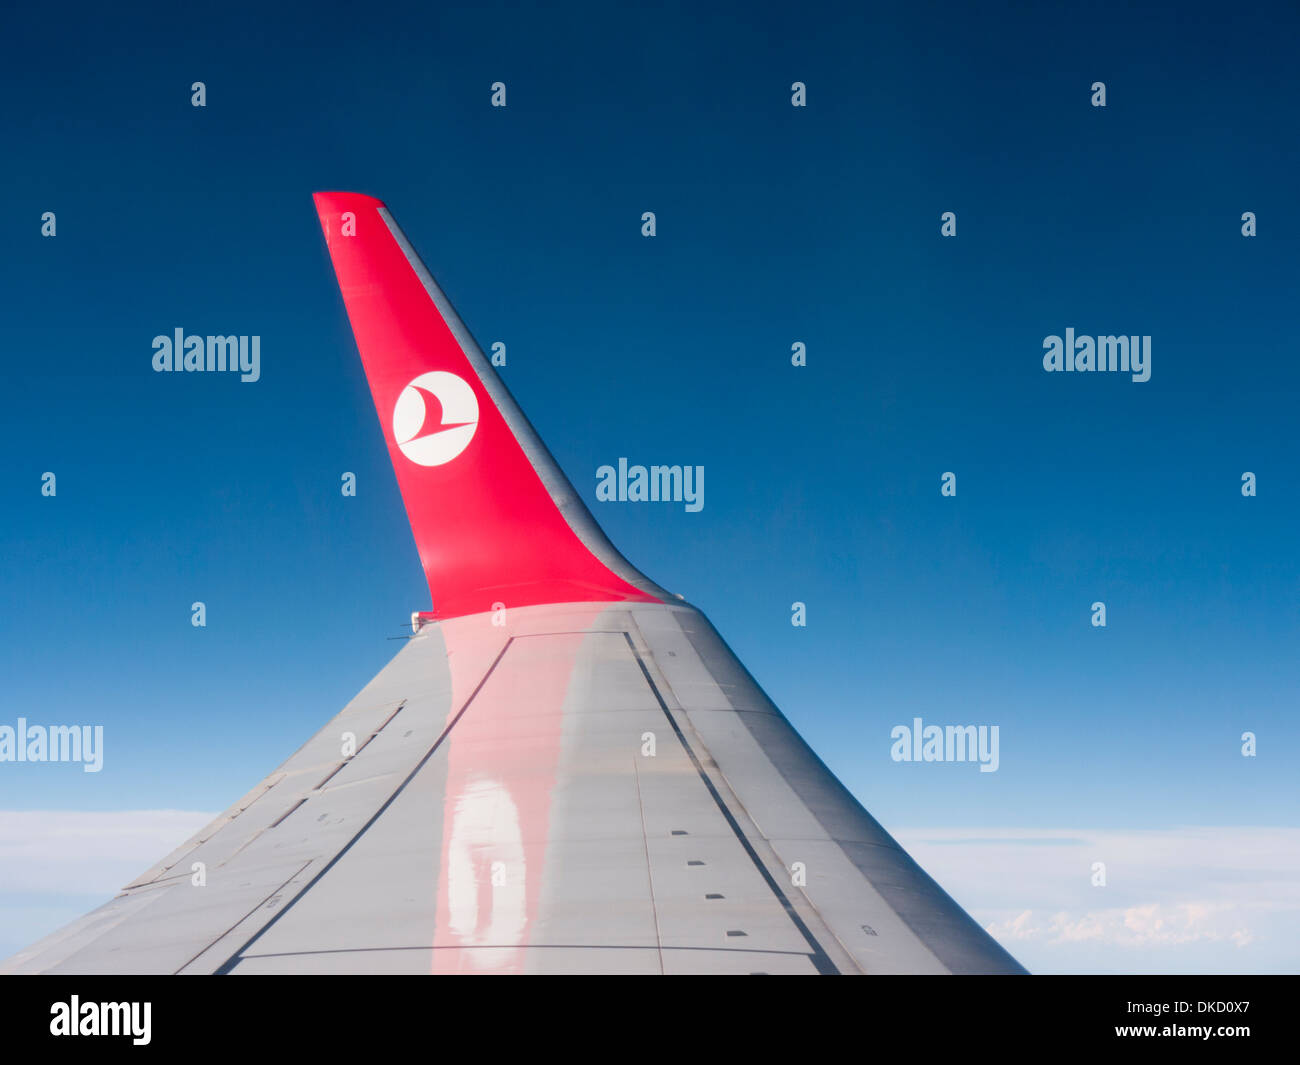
x: 494, y: 518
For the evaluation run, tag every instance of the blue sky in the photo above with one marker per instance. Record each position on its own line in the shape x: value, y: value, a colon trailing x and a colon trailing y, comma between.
x: 775, y: 225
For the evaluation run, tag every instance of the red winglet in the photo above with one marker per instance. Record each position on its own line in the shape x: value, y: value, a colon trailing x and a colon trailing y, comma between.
x: 494, y: 519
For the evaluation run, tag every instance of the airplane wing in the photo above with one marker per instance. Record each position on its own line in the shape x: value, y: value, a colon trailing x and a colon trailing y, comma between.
x: 564, y: 770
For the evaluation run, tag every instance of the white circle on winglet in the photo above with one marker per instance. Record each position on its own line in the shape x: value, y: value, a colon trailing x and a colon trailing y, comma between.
x: 434, y: 418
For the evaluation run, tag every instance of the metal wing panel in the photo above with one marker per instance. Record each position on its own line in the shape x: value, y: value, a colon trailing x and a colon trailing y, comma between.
x: 262, y: 846
x: 887, y: 913
x: 585, y: 788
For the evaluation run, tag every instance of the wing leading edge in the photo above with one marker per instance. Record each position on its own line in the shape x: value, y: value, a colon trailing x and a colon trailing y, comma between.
x: 564, y: 770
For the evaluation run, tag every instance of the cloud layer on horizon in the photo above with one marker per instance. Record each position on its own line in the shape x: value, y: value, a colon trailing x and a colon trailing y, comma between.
x: 1182, y: 900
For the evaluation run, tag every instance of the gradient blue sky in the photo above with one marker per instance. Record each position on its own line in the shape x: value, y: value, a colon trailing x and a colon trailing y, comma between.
x: 775, y: 224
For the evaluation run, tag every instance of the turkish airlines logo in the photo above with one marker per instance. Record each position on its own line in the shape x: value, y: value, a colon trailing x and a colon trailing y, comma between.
x: 435, y: 418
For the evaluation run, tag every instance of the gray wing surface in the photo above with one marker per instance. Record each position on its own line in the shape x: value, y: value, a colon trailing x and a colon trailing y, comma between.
x: 586, y: 788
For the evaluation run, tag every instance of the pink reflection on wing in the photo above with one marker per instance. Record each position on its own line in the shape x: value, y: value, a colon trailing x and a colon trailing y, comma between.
x: 502, y: 760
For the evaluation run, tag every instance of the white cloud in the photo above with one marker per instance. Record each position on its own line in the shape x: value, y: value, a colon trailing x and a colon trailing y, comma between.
x: 1150, y: 925
x: 64, y: 851
x: 1194, y: 899
x: 56, y: 865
